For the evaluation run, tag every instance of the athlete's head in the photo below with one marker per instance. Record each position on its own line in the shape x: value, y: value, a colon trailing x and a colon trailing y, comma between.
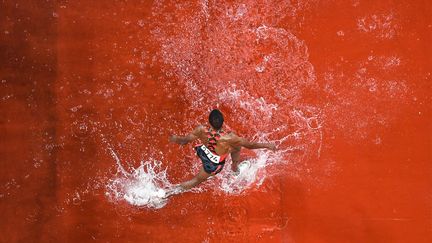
x: 216, y: 119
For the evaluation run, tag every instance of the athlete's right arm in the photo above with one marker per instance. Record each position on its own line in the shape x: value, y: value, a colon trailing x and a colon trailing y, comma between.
x: 183, y: 140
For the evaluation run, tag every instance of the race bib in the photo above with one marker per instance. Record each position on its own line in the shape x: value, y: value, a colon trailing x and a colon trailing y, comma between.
x: 210, y: 155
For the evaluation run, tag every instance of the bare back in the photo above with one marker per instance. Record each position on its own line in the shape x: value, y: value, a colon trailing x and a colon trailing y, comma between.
x: 226, y: 143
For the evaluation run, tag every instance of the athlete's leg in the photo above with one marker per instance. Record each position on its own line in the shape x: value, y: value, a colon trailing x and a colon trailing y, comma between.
x: 200, y: 177
x: 235, y: 157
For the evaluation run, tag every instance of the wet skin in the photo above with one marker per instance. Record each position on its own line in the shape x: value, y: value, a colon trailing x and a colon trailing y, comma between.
x: 228, y: 143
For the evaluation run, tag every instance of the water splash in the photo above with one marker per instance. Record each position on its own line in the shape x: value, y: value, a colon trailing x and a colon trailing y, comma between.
x: 251, y: 174
x: 257, y: 69
x: 144, y: 186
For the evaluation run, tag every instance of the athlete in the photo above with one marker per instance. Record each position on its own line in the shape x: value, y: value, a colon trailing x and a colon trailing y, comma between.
x: 213, y: 150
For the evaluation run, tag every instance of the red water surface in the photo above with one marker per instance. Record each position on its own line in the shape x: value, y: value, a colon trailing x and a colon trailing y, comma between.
x: 350, y: 80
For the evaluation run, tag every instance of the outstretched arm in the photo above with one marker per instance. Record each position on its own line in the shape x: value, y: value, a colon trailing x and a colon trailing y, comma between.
x: 253, y: 145
x: 242, y: 142
x: 183, y: 140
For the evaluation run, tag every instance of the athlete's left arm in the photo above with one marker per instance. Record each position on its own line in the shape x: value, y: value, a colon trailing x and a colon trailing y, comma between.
x: 237, y: 141
x: 183, y: 140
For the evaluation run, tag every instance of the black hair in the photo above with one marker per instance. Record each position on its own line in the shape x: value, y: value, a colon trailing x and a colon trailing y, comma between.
x: 216, y: 119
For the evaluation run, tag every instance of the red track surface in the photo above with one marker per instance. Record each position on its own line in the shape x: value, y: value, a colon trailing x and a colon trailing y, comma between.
x: 80, y: 76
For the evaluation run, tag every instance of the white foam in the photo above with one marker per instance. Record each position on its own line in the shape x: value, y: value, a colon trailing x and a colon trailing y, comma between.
x: 248, y: 175
x: 144, y: 186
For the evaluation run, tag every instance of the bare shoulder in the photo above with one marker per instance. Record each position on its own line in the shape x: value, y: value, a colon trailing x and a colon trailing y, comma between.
x: 230, y: 138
